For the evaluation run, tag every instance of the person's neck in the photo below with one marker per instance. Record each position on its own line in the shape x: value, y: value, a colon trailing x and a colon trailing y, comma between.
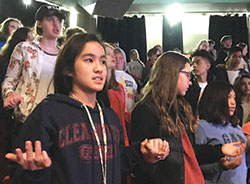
x: 232, y: 68
x: 244, y: 99
x: 201, y: 78
x: 88, y: 99
x: 49, y: 45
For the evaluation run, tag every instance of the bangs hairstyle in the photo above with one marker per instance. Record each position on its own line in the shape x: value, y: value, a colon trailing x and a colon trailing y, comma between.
x: 66, y: 60
x: 162, y: 89
x: 213, y: 106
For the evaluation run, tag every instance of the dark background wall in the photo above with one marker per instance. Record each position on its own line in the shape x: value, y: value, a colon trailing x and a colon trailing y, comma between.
x: 17, y: 9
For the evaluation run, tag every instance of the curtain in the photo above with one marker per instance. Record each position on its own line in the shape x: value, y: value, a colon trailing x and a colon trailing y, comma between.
x: 236, y: 26
x: 129, y: 31
x: 172, y: 36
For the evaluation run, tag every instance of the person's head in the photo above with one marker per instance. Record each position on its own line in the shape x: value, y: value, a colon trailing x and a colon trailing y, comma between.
x: 246, y: 131
x: 201, y: 61
x: 242, y: 86
x: 115, y: 44
x: 134, y: 55
x: 153, y: 54
x: 73, y: 30
x: 9, y: 26
x: 211, y: 44
x: 159, y: 47
x: 20, y: 35
x: 217, y: 104
x: 81, y: 65
x: 120, y: 58
x: 244, y: 48
x: 168, y: 82
x: 203, y: 45
x: 111, y: 61
x: 234, y: 57
x: 49, y: 21
x: 226, y: 41
x: 169, y: 71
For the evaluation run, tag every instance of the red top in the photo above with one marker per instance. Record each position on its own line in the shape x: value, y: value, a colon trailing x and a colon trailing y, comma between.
x: 118, y: 104
x: 193, y: 174
x: 148, y: 63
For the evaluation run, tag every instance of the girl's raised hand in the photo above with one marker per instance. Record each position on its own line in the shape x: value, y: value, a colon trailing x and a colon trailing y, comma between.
x: 31, y: 160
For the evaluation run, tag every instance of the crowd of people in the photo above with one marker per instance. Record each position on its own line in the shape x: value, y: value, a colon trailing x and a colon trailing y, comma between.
x: 74, y: 109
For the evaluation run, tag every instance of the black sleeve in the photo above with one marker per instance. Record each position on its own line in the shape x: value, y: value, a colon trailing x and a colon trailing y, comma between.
x: 207, y: 154
x: 221, y: 55
x: 144, y: 123
x: 36, y: 127
x: 129, y: 158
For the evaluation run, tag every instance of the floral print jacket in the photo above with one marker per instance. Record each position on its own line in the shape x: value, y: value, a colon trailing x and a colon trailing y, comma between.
x: 23, y: 76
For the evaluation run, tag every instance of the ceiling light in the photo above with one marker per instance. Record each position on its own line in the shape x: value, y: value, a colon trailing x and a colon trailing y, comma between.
x: 27, y: 2
x: 174, y: 13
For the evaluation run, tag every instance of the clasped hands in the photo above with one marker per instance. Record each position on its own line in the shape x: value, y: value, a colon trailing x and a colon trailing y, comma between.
x: 152, y: 150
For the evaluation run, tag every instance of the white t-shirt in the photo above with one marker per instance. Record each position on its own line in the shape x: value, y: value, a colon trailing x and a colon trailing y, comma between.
x: 202, y: 86
x: 46, y: 78
x: 130, y: 86
x: 232, y: 75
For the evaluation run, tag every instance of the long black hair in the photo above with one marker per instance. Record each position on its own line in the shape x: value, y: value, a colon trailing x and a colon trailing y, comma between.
x: 213, y: 106
x: 65, y: 65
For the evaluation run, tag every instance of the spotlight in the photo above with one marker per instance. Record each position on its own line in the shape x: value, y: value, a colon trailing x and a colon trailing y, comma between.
x: 174, y: 13
x: 27, y: 2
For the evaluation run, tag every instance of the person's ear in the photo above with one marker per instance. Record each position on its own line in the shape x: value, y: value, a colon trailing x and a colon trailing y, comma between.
x: 39, y: 24
x: 208, y: 65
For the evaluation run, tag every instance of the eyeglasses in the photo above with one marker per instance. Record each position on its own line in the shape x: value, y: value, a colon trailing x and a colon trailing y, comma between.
x: 188, y: 74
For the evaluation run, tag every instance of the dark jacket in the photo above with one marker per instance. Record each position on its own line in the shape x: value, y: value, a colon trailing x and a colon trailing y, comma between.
x: 62, y: 125
x: 221, y: 74
x: 221, y: 55
x: 145, y: 123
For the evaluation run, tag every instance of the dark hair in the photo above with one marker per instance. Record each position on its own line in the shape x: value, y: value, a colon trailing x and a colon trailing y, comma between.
x: 5, y: 27
x: 241, y: 45
x: 204, y: 54
x: 213, y: 106
x: 225, y: 38
x: 20, y: 35
x: 210, y: 41
x: 234, y: 49
x: 66, y: 60
x: 152, y: 51
x: 237, y: 85
x: 73, y: 30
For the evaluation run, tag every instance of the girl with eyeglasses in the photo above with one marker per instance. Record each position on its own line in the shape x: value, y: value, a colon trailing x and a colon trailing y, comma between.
x: 163, y: 112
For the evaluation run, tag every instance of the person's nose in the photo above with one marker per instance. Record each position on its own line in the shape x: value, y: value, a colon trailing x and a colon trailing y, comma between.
x: 98, y: 66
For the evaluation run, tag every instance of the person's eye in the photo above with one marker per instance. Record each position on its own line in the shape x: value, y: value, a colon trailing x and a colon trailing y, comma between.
x: 89, y: 60
x: 103, y: 62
